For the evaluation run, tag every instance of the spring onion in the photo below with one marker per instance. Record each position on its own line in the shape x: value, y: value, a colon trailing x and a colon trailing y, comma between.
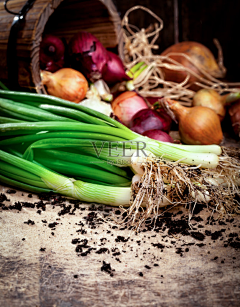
x: 84, y: 191
x: 92, y: 157
x: 188, y: 154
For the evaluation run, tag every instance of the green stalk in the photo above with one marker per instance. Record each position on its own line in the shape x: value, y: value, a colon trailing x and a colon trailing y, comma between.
x: 173, y: 153
x: 115, y: 196
x: 30, y: 128
x: 15, y: 115
x: 89, y: 180
x: 197, y: 148
x: 54, y: 143
x: 134, y: 69
x: 48, y: 99
x: 4, y: 166
x: 71, y: 169
x: 68, y: 113
x: 167, y: 151
x: 63, y: 134
x: 30, y: 111
x: 114, y: 155
x: 23, y: 179
x: 133, y: 73
x: 22, y: 186
x: 139, y: 71
x: 5, y: 120
x: 83, y: 160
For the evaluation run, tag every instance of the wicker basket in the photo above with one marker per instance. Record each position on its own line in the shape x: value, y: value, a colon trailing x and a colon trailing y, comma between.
x: 64, y: 18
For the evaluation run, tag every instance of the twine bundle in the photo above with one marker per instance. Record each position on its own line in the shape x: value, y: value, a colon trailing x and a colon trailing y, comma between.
x: 137, y: 45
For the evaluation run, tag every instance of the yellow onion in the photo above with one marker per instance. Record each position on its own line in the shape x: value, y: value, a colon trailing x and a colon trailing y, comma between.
x: 201, y: 57
x: 66, y: 83
x: 126, y: 105
x: 211, y: 99
x: 197, y: 125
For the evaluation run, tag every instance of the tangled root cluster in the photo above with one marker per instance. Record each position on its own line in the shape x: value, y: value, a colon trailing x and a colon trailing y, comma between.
x: 136, y: 45
x: 165, y: 183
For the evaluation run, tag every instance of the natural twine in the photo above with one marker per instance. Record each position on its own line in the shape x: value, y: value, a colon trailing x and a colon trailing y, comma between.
x: 136, y: 45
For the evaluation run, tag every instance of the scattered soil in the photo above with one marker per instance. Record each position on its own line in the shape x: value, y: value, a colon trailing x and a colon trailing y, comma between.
x: 168, y: 231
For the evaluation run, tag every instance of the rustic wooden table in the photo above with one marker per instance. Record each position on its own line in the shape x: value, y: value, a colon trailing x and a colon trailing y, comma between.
x: 56, y: 252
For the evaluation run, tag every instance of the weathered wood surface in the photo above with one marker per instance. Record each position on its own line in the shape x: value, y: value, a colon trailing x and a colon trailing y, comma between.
x: 48, y: 258
x: 39, y: 264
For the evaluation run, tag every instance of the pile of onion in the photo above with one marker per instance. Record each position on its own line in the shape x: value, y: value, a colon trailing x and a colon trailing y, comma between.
x: 131, y: 110
x: 194, y: 57
x: 88, y: 55
x: 126, y: 105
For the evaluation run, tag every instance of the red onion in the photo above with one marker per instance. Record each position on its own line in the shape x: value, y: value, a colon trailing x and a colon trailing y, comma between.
x: 51, y: 54
x: 149, y: 119
x: 114, y: 70
x: 234, y: 112
x: 87, y: 55
x: 126, y: 105
x: 158, y: 135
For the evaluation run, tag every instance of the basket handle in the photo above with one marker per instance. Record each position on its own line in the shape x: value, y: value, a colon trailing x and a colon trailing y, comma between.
x: 12, y: 62
x: 24, y: 9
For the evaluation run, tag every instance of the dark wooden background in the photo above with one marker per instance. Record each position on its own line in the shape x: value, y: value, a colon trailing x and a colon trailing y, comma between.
x: 200, y: 21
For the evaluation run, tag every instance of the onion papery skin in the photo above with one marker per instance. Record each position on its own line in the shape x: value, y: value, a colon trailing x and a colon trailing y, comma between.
x: 126, y: 105
x: 202, y: 58
x: 148, y: 119
x: 197, y: 125
x: 52, y: 53
x: 114, y: 70
x: 158, y: 135
x: 87, y: 55
x: 211, y: 99
x: 66, y: 83
x: 234, y: 113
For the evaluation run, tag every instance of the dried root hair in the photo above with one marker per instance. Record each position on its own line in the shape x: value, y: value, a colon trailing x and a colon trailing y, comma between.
x: 167, y: 184
x: 136, y: 45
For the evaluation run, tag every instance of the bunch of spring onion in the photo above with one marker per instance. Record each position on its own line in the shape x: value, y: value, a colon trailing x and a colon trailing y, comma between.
x: 49, y: 144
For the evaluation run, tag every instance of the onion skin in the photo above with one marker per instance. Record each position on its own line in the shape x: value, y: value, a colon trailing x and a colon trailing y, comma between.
x: 211, y: 99
x: 88, y: 55
x: 66, y: 83
x: 126, y: 105
x: 234, y: 113
x: 158, y: 135
x: 114, y: 70
x: 202, y: 58
x: 197, y: 125
x: 149, y: 119
x: 52, y: 53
